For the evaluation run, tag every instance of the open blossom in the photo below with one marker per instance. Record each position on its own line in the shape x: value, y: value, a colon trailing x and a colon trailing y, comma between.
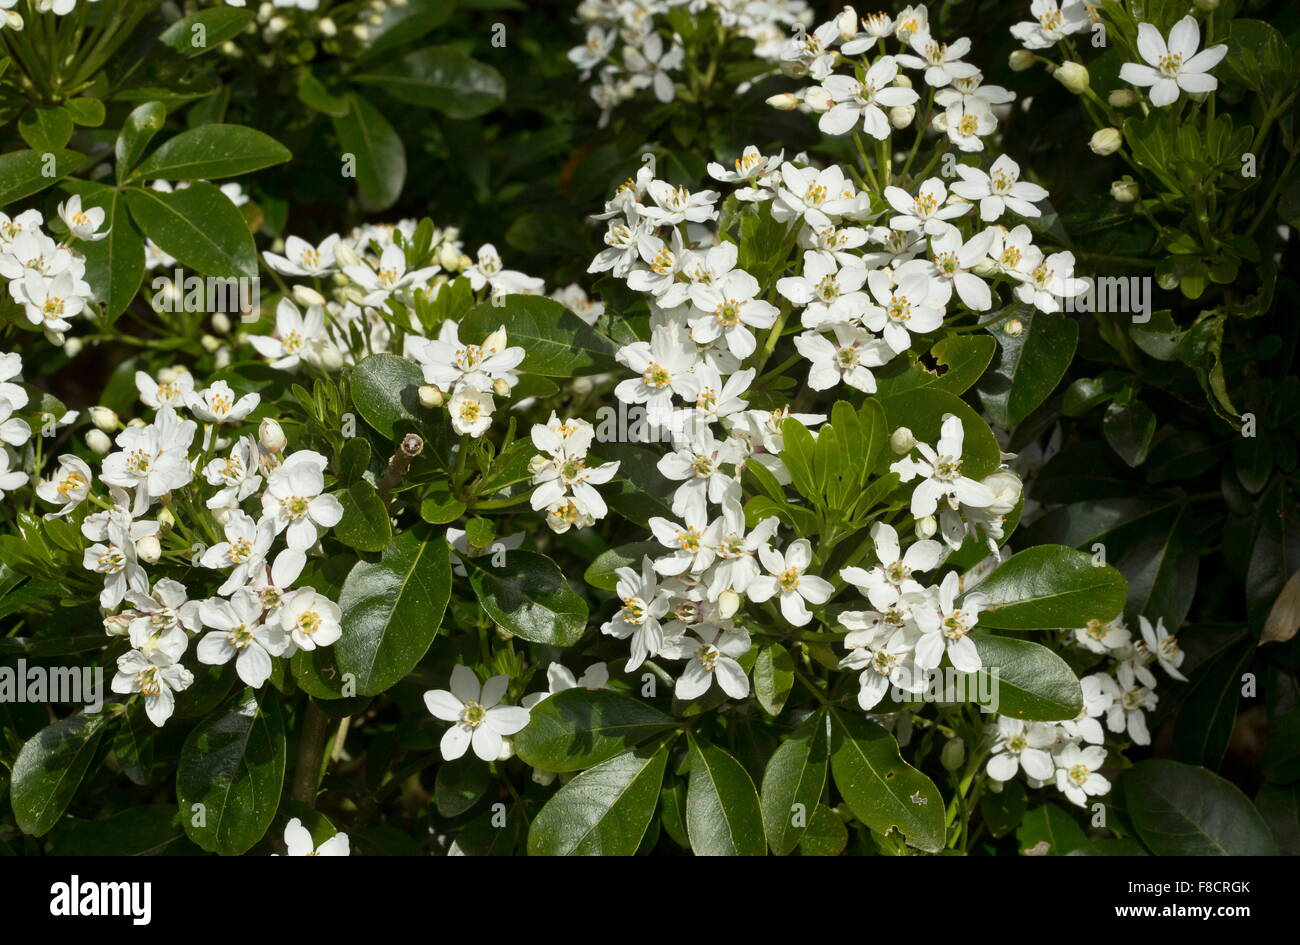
x: 698, y: 464
x: 166, y: 614
x: 885, y: 583
x: 564, y: 475
x: 244, y: 551
x: 940, y: 470
x: 310, y: 619
x: 928, y: 210
x: 639, y: 618
x: 1175, y: 66
x: 70, y: 485
x: 453, y: 365
x: 172, y: 388
x: 237, y: 474
x: 153, y: 459
x: 830, y: 294
x: 750, y: 168
x: 1163, y: 645
x: 217, y: 404
x: 238, y: 633
x: 664, y: 365
x: 711, y: 653
x: 298, y: 842
x: 295, y: 499
x: 478, y: 716
x: 296, y: 336
x: 787, y: 580
x: 941, y: 61
x: 83, y: 224
x: 487, y: 270
x: 388, y: 277
x: 730, y: 309
x: 674, y: 205
x: 1078, y: 772
x: 863, y: 101
x: 304, y: 260
x: 885, y: 656
x: 1052, y: 22
x: 1022, y: 745
x: 999, y: 190
x: 946, y: 627
x: 914, y: 305
x: 115, y: 558
x: 157, y: 677
x: 807, y: 189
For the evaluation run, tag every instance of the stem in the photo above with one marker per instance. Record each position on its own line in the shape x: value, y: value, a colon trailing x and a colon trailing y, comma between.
x: 311, y: 751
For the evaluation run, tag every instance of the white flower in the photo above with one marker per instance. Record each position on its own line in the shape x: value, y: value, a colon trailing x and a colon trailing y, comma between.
x: 156, y: 677
x: 731, y: 309
x: 1133, y: 701
x: 737, y: 565
x: 950, y: 263
x: 301, y: 259
x: 238, y: 633
x: 298, y: 842
x: 946, y: 628
x: 698, y: 465
x: 480, y: 720
x: 70, y: 485
x: 568, y: 477
x: 1022, y: 745
x: 296, y: 337
x: 664, y: 366
x: 643, y: 605
x: 751, y: 168
x: 310, y: 619
x: 622, y: 242
x: 49, y: 302
x: 928, y: 210
x: 967, y: 121
x: 389, y: 278
x: 807, y: 189
x: 487, y: 271
x: 664, y: 264
x: 675, y: 205
x: 863, y: 101
x: 172, y: 388
x: 1049, y: 280
x: 236, y: 474
x: 453, y: 365
x: 11, y: 365
x: 294, y: 500
x: 164, y: 617
x: 598, y: 46
x: 153, y: 459
x: 999, y: 190
x: 829, y: 294
x: 786, y: 579
x: 885, y: 655
x: 560, y: 678
x: 244, y: 550
x: 217, y: 404
x: 1077, y: 774
x: 1163, y: 645
x: 116, y: 560
x: 83, y: 224
x: 715, y: 399
x: 712, y: 654
x: 1177, y: 66
x: 1103, y: 637
x: 913, y: 306
x: 1052, y: 23
x: 693, y: 542
x: 885, y: 583
x: 941, y: 476
x: 941, y: 61
x: 471, y: 412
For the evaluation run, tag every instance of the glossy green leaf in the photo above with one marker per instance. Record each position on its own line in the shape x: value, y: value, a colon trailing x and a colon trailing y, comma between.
x: 1023, y: 680
x: 773, y: 677
x: 50, y: 767
x: 723, y: 817
x: 439, y: 77
x: 114, y: 264
x: 793, y: 782
x: 1050, y: 587
x: 232, y: 764
x: 210, y: 152
x: 46, y: 128
x: 365, y: 524
x: 1029, y: 365
x: 366, y: 136
x: 578, y: 728
x: 199, y: 226
x: 385, y: 391
x: 1181, y: 810
x: 1048, y: 830
x: 138, y: 130
x: 205, y: 30
x: 556, y: 342
x: 529, y: 596
x: 23, y: 173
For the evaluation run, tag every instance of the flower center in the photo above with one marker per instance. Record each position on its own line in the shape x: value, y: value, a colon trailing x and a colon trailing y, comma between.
x: 656, y: 376
x: 788, y: 580
x: 633, y: 610
x: 472, y: 714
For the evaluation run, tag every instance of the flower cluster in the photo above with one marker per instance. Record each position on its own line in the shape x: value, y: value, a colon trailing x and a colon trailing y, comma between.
x: 48, y: 278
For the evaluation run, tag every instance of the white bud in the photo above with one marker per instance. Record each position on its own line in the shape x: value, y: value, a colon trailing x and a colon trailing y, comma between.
x: 210, y: 343
x: 328, y: 28
x: 544, y: 778
x: 902, y: 81
x: 148, y: 549
x: 1021, y: 60
x: 345, y: 255
x: 98, y: 442
x: 221, y: 323
x: 582, y: 386
x: 329, y: 356
x: 728, y: 604
x: 222, y: 358
x: 1122, y: 98
x: 495, y: 341
x: 271, y: 435
x: 430, y: 396
x: 1125, y: 190
x: 926, y: 527
x: 501, y: 387
x: 507, y: 750
x: 166, y: 521
x: 1106, y: 141
x: 72, y: 347
x: 449, y: 257
x: 786, y: 101
x: 1074, y: 76
x: 105, y: 419
x: 847, y: 21
x: 14, y: 20
x: 135, y: 423
x: 902, y: 442
x: 901, y: 116
x: 306, y: 295
x: 818, y: 99
x: 119, y: 625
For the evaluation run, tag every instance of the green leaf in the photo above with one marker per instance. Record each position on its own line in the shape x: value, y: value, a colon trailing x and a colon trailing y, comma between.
x: 1280, y: 808
x: 793, y: 782
x: 23, y: 173
x: 578, y: 728
x: 46, y: 128
x: 87, y: 112
x: 1257, y: 55
x: 1052, y: 826
x: 530, y: 597
x: 49, y: 768
x: 1025, y: 680
x: 133, y: 744
x: 392, y: 609
x: 922, y: 411
x: 365, y: 134
x: 313, y: 93
x: 826, y: 834
x: 1129, y: 429
x: 1050, y: 587
x: 1209, y: 711
x: 773, y: 677
x: 199, y: 226
x: 137, y: 131
x: 232, y: 763
x: 723, y: 817
x: 557, y: 342
x: 961, y: 361
x: 403, y: 24
x: 365, y: 525
x: 1181, y: 810
x: 601, y: 572
x: 148, y: 830
x: 440, y: 77
x: 212, y: 151
x: 385, y: 391
x: 115, y: 264
x: 1029, y: 365
x: 457, y: 788
x: 200, y: 32
x: 605, y: 810
x: 1002, y: 812
x: 882, y: 790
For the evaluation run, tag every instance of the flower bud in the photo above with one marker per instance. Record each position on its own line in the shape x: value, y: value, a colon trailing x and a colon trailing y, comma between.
x: 166, y: 521
x: 14, y: 20
x: 818, y: 99
x: 728, y: 604
x: 1074, y: 76
x: 1106, y: 141
x: 1021, y: 60
x: 786, y: 101
x: 901, y: 441
x: 902, y: 81
x: 221, y: 323
x: 328, y: 28
x: 926, y: 527
x: 544, y: 778
x: 148, y: 549
x: 953, y: 755
x: 449, y: 257
x: 119, y: 624
x: 306, y: 295
x: 537, y: 464
x: 1122, y: 98
x: 72, y: 347
x: 271, y: 435
x: 210, y: 343
x: 135, y: 423
x: 105, y: 419
x: 501, y: 387
x: 507, y: 750
x: 97, y: 442
x: 430, y: 396
x: 496, y: 341
x: 582, y: 386
x: 1124, y: 190
x: 847, y: 22
x: 1013, y: 328
x: 222, y: 358
x: 901, y: 116
x: 345, y: 255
